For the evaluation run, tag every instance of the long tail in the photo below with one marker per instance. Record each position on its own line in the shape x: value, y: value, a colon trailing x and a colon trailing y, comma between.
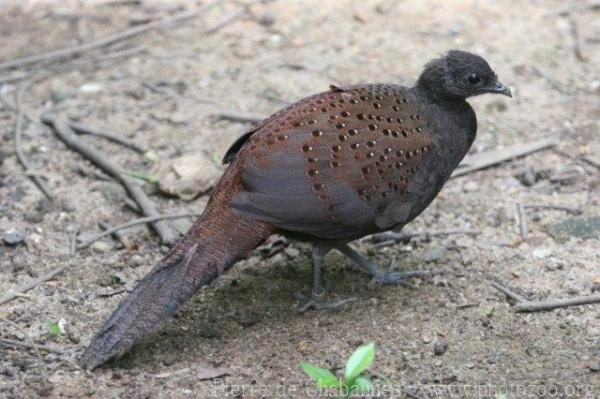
x: 213, y: 245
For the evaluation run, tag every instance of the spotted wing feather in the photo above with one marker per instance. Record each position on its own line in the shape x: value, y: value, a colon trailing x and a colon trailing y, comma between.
x: 337, y: 165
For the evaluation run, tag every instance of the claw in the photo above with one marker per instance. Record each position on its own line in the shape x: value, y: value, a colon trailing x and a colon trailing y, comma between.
x: 311, y: 304
x: 392, y: 277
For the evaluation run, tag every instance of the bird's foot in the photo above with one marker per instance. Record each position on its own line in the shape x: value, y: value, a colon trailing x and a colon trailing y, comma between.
x: 318, y: 301
x: 392, y: 276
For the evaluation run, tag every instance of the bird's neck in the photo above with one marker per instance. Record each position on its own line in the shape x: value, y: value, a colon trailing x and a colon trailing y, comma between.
x: 435, y: 95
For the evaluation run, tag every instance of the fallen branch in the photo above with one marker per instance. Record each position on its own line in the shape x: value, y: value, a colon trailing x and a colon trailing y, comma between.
x: 576, y: 41
x: 66, y: 134
x: 525, y: 305
x: 13, y: 77
x: 591, y: 162
x: 573, y: 211
x: 118, y: 54
x: 384, y: 239
x: 46, y: 348
x: 553, y: 82
x: 225, y: 21
x: 80, y: 128
x: 110, y: 231
x: 491, y: 158
x: 24, y: 288
x: 522, y: 216
x: 18, y: 148
x: 104, y: 41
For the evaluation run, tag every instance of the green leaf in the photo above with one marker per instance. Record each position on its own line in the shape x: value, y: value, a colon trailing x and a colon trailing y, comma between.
x: 361, y: 384
x: 323, y: 377
x: 361, y: 359
x: 54, y: 329
x: 142, y: 176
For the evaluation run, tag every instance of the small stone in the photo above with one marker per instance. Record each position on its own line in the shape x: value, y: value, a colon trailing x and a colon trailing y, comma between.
x: 14, y: 237
x: 581, y: 227
x: 248, y: 319
x: 426, y: 338
x: 136, y: 260
x: 567, y: 177
x: 438, y: 363
x: 435, y: 254
x: 439, y: 348
x: 594, y: 366
x: 91, y: 88
x: 68, y: 205
x: 302, y: 346
x: 528, y: 177
x: 470, y: 186
x: 541, y: 253
x: 292, y: 252
x: 101, y: 246
x: 555, y: 264
x: 188, y: 176
x: 266, y: 19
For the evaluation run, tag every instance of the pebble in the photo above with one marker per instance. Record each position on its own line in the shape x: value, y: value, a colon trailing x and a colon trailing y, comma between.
x: 101, y: 246
x: 435, y: 254
x: 292, y: 252
x: 68, y: 205
x: 470, y: 186
x: 14, y: 237
x: 541, y: 253
x: 136, y: 260
x: 439, y: 348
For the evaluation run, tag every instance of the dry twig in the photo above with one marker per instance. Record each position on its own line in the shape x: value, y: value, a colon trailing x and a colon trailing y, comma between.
x: 104, y: 41
x: 522, y: 221
x: 18, y: 133
x: 573, y: 211
x: 31, y: 345
x: 491, y: 158
x: 65, y: 133
x: 576, y: 41
x: 240, y: 117
x: 525, y: 305
x: 384, y: 239
x: 553, y: 82
x: 135, y: 222
x: 26, y: 287
x: 80, y: 128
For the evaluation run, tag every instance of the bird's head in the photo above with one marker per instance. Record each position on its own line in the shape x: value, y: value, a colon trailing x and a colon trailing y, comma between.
x: 459, y: 75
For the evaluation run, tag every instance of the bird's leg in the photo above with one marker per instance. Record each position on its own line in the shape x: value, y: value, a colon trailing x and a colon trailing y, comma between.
x: 318, y: 252
x: 319, y: 293
x: 380, y: 276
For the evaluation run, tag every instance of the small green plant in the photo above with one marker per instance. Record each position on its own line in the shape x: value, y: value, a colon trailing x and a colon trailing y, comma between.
x: 54, y: 329
x: 354, y: 381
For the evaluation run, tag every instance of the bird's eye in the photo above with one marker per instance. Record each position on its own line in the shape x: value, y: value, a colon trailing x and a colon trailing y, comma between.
x: 475, y: 79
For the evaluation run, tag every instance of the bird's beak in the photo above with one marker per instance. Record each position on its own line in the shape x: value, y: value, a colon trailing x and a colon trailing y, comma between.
x: 499, y: 88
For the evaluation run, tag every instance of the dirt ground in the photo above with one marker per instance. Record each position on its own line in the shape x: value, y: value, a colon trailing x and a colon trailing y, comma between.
x: 248, y: 321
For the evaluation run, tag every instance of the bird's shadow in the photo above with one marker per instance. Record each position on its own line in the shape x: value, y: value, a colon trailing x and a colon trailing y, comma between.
x: 246, y: 297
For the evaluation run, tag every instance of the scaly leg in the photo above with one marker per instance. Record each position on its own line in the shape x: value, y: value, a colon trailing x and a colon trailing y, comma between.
x: 318, y: 293
x: 380, y: 276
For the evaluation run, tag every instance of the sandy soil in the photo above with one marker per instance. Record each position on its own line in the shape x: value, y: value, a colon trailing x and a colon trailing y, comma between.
x: 247, y: 322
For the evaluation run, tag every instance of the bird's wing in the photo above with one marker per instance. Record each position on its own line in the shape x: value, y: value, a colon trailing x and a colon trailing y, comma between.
x: 337, y: 165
